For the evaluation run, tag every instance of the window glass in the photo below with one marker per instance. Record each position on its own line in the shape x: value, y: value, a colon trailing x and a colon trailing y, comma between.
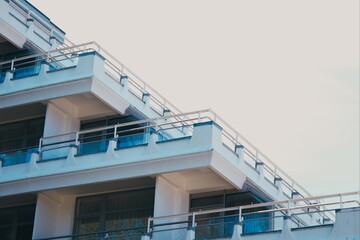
x: 22, y: 134
x: 17, y: 222
x: 207, y: 202
x: 12, y: 130
x: 26, y: 214
x: 89, y: 205
x: 115, y: 211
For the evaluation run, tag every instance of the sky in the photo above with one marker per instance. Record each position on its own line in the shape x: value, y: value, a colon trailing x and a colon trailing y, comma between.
x: 283, y: 73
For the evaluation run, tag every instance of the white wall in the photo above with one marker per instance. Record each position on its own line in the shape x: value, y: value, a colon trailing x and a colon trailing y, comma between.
x: 59, y: 120
x: 54, y: 215
x: 170, y: 199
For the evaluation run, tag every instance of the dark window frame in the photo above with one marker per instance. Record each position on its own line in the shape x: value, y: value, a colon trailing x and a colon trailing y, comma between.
x: 104, y: 212
x: 15, y: 223
x: 26, y: 136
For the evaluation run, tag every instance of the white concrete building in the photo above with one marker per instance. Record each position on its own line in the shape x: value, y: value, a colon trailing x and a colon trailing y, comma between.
x: 88, y: 150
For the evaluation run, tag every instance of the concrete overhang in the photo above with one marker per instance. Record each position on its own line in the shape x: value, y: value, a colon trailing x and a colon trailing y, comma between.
x: 82, y: 86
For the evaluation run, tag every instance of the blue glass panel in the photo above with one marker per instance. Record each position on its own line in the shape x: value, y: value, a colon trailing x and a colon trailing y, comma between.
x: 17, y: 157
x: 256, y: 223
x: 132, y: 140
x: 26, y: 71
x: 2, y: 77
x: 94, y: 147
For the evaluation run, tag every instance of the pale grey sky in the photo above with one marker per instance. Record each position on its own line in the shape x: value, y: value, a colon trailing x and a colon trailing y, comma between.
x: 283, y: 73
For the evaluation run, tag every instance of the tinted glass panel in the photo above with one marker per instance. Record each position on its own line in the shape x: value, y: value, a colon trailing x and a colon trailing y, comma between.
x: 22, y: 134
x: 88, y: 225
x: 16, y: 223
x: 117, y: 212
x: 26, y: 214
x: 89, y: 205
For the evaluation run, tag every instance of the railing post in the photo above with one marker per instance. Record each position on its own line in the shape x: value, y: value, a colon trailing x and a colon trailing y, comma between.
x: 148, y: 225
x: 77, y: 139
x: 193, y: 220
x: 238, y: 227
x: 124, y: 81
x: 239, y: 150
x: 156, y: 124
x: 115, y: 131
x: 341, y: 201
x: 259, y: 166
x: 12, y: 65
x: 240, y: 212
x: 40, y: 145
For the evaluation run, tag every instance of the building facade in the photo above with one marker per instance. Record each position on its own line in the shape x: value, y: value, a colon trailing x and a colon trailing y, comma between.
x: 88, y: 150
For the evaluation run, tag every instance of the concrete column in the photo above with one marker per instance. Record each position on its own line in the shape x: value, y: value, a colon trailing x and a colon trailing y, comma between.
x: 60, y: 119
x: 53, y: 215
x: 170, y: 199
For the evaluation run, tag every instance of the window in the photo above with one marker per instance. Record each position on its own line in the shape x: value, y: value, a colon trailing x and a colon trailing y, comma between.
x: 220, y: 225
x: 19, y: 139
x: 115, y: 212
x: 16, y: 223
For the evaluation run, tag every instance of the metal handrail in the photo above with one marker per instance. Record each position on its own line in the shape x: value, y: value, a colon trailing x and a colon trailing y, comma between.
x: 279, y: 204
x: 25, y: 11
x: 190, y: 218
x: 228, y: 131
x: 266, y: 204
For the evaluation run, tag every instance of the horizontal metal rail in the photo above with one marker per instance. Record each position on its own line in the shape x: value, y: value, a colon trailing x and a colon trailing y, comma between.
x: 189, y: 219
x: 268, y: 204
x: 232, y: 136
x: 26, y: 12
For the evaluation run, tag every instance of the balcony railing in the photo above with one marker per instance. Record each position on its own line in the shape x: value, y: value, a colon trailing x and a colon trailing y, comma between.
x: 23, y: 12
x: 168, y: 128
x: 68, y: 57
x: 220, y: 223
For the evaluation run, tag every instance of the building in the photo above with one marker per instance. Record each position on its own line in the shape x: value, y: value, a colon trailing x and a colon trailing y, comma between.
x: 90, y: 151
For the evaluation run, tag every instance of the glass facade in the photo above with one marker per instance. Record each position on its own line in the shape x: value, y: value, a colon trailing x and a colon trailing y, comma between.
x: 117, y: 214
x: 19, y: 139
x: 16, y: 223
x: 219, y: 225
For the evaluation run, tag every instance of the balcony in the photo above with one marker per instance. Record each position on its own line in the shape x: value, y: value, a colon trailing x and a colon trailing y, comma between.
x: 244, y: 222
x: 78, y: 70
x: 22, y: 23
x: 150, y: 139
